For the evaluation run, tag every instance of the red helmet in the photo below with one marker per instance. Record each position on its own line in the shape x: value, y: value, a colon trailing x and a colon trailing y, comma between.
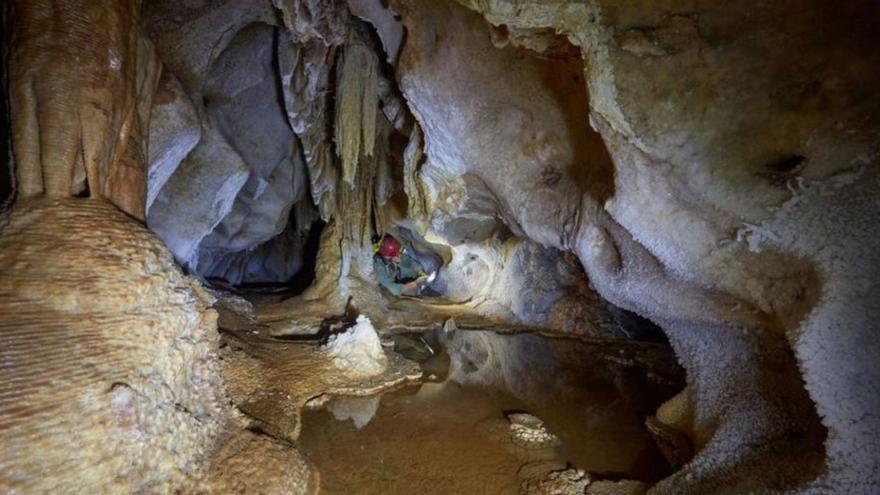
x: 390, y: 247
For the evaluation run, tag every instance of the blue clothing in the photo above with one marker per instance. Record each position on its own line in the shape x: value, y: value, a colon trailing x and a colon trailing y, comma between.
x: 394, y: 275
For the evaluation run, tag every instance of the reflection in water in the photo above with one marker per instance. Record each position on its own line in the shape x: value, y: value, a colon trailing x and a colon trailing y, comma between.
x: 452, y: 436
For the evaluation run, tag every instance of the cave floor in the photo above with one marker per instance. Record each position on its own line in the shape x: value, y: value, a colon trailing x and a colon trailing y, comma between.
x: 438, y: 422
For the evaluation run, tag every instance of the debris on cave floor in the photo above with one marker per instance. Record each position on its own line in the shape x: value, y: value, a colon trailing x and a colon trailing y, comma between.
x: 529, y: 432
x: 569, y: 481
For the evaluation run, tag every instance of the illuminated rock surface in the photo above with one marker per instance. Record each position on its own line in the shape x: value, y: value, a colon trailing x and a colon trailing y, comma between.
x: 682, y: 179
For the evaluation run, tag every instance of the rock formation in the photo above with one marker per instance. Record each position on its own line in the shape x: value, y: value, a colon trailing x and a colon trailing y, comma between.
x: 717, y: 227
x: 600, y: 169
x: 113, y: 352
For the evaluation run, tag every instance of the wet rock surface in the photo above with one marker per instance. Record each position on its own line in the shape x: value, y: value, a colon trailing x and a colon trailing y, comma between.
x: 473, y: 435
x: 600, y: 169
x: 273, y: 380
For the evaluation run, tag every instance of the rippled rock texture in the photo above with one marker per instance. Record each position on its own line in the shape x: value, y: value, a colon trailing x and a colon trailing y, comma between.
x: 111, y: 352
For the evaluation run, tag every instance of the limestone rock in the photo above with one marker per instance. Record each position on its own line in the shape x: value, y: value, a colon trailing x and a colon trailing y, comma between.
x: 356, y: 106
x: 112, y: 351
x: 529, y: 432
x: 382, y: 18
x: 321, y: 20
x: 80, y: 100
x: 199, y: 194
x: 242, y: 98
x: 174, y: 132
x: 565, y: 482
x: 316, y: 28
x: 713, y: 224
x: 675, y: 446
x: 712, y: 168
x: 226, y: 211
x: 357, y: 351
x: 249, y: 463
x: 272, y: 380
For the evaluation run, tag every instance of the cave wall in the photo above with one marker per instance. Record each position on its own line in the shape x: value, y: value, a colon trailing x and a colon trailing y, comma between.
x: 111, y: 374
x: 715, y: 227
x: 112, y: 352
x: 79, y: 123
x: 228, y: 172
x: 699, y: 173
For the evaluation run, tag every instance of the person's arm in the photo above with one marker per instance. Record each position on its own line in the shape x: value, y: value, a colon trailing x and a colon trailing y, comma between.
x: 413, y: 288
x: 410, y: 266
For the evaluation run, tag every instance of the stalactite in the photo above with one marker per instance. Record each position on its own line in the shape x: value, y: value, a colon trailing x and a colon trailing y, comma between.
x: 305, y: 71
x: 383, y: 185
x: 354, y: 241
x: 412, y: 158
x: 356, y: 106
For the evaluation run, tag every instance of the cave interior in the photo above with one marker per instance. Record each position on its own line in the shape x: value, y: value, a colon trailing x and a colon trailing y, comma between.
x: 609, y: 247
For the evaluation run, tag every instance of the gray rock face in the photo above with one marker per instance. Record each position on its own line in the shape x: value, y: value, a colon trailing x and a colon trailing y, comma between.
x: 174, y: 132
x: 242, y: 94
x: 226, y: 211
x: 315, y: 28
x: 197, y: 197
x: 390, y: 31
x: 528, y: 142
